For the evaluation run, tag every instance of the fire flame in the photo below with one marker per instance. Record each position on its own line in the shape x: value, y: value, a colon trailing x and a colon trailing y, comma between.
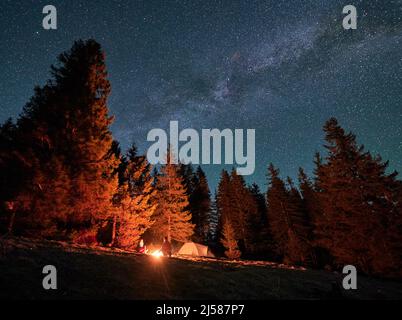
x: 157, y: 254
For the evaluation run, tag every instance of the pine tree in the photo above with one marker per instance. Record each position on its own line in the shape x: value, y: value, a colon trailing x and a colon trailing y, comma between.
x: 200, y: 206
x: 238, y: 210
x: 358, y: 199
x: 245, y: 218
x: 237, y: 205
x: 63, y: 146
x: 53, y: 193
x: 34, y: 182
x: 260, y: 201
x: 229, y: 241
x: 288, y: 221
x: 278, y: 217
x: 312, y: 212
x: 263, y: 238
x: 189, y: 179
x: 12, y: 175
x: 9, y: 167
x: 85, y: 89
x: 172, y: 218
x: 394, y: 232
x: 223, y: 201
x: 308, y: 195
x: 135, y: 201
x: 197, y: 188
x: 299, y: 248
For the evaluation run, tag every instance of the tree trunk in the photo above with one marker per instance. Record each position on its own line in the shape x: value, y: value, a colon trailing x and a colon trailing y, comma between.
x: 168, y: 235
x: 11, y: 223
x: 112, y: 243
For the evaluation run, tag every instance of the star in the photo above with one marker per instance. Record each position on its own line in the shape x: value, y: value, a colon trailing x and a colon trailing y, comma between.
x: 282, y: 68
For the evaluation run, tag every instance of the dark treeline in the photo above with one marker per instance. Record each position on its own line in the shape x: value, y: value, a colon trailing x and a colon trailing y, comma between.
x: 63, y: 177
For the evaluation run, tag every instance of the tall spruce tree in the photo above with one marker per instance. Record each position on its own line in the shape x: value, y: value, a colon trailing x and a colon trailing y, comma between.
x: 262, y: 238
x: 261, y: 203
x: 187, y: 173
x: 87, y: 140
x: 135, y: 202
x: 199, y: 200
x: 229, y: 241
x: 223, y: 201
x: 359, y: 203
x: 237, y: 206
x: 172, y: 218
x: 299, y: 248
x: 287, y: 221
x: 278, y: 217
x: 312, y: 211
x: 245, y: 217
x: 63, y: 145
x: 308, y: 195
x: 200, y: 206
x: 13, y: 175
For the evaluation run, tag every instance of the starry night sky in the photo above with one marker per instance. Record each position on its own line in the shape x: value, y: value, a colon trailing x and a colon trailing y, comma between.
x: 280, y: 67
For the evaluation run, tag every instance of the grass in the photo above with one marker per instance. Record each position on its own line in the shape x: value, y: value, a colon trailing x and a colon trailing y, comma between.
x: 99, y: 273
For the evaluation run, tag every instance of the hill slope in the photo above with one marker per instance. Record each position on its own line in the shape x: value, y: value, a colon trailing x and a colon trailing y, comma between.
x: 109, y: 274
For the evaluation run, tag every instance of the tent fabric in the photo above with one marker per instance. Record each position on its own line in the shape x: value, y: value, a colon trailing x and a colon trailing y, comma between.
x: 195, y: 249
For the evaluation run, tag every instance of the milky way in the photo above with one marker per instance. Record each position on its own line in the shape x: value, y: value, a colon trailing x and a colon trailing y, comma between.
x: 280, y: 67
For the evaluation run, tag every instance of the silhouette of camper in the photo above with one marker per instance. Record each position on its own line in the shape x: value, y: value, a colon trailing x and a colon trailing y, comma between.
x: 166, y: 247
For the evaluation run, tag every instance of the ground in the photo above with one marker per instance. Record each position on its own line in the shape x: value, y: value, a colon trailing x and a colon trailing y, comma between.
x: 98, y: 273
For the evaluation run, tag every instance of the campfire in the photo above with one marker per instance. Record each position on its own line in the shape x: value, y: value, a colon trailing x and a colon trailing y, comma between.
x: 157, y: 254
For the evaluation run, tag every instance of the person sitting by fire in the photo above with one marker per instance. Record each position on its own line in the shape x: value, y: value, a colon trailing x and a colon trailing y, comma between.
x: 142, y: 248
x: 166, y: 247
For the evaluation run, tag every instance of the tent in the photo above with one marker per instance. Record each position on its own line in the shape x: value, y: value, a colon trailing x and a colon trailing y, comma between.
x: 195, y: 250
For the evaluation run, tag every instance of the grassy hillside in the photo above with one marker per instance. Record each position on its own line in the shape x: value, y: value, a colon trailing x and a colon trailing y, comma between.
x: 109, y: 274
